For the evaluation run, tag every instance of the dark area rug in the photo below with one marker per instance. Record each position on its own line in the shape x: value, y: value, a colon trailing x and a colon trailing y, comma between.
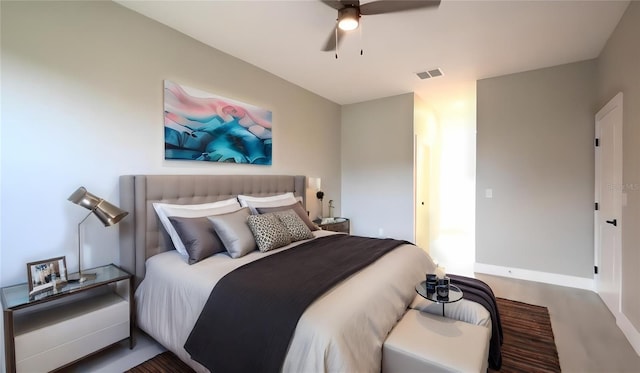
x: 528, y: 343
x: 166, y: 362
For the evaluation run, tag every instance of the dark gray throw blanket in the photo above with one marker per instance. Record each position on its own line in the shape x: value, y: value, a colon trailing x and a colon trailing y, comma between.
x: 479, y: 292
x: 252, y: 312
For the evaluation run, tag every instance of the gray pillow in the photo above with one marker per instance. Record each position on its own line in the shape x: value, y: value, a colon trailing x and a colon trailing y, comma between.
x: 198, y: 236
x: 268, y: 231
x: 297, y: 207
x: 234, y: 232
x: 297, y: 228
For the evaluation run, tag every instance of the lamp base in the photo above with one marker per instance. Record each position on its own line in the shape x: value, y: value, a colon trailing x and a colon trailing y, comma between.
x: 82, y: 277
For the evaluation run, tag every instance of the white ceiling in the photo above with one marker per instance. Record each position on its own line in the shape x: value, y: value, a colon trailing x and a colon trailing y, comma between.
x: 468, y: 40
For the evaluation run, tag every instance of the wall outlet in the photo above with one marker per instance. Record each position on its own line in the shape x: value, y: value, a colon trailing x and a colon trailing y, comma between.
x: 488, y: 193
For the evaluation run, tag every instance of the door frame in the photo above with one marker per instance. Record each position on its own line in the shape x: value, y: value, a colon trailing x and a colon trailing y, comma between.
x: 422, y: 166
x: 615, y: 103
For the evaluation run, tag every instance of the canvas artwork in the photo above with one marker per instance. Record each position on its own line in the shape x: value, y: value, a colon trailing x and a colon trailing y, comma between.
x: 201, y: 126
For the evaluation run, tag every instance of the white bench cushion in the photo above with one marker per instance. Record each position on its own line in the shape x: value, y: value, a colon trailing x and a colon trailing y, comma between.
x: 423, y: 342
x: 463, y: 310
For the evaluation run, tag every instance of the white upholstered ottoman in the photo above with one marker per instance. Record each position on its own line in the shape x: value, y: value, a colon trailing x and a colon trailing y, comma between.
x: 423, y: 342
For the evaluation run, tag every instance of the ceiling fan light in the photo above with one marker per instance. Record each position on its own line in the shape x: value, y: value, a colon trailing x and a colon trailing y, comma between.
x: 348, y: 19
x: 348, y: 24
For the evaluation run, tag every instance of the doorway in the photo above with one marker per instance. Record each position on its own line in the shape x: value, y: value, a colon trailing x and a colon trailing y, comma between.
x: 609, y: 199
x: 423, y: 166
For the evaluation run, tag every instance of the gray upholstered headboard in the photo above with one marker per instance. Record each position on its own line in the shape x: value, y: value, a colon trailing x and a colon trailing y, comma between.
x: 141, y: 234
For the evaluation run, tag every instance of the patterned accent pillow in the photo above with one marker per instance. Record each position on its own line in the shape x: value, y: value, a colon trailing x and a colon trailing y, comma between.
x: 268, y: 231
x: 297, y: 207
x: 297, y: 228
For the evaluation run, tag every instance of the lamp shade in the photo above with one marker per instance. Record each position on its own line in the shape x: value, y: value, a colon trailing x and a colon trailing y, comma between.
x: 314, y: 183
x: 105, y: 211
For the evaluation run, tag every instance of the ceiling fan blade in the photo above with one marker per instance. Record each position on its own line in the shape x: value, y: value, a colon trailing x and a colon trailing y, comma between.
x: 330, y: 45
x: 392, y: 6
x: 335, y: 4
x: 339, y: 4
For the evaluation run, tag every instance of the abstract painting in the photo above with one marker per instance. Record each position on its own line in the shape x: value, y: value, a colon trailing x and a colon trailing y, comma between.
x: 201, y: 126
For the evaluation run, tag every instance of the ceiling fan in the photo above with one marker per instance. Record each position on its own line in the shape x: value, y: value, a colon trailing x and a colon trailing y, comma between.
x: 350, y: 11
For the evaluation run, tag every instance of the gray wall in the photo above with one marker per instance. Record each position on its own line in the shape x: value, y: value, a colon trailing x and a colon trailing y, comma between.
x: 619, y: 71
x: 535, y: 151
x: 82, y: 86
x: 377, y: 166
x: 82, y: 104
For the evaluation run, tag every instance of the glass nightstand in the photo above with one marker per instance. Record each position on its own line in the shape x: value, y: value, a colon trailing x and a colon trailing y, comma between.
x: 56, y: 327
x: 335, y: 225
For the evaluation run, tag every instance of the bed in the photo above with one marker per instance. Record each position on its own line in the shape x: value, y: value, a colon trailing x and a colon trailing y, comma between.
x: 343, y: 330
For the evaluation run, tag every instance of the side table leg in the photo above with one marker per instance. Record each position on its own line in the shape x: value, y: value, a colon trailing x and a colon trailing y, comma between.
x: 132, y: 314
x: 9, y: 342
x: 442, y: 309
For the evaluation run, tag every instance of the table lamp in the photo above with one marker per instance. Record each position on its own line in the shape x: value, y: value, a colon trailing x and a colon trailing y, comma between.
x: 105, y: 211
x: 316, y: 184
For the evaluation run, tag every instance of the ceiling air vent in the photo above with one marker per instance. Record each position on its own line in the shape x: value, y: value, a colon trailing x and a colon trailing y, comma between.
x: 429, y: 74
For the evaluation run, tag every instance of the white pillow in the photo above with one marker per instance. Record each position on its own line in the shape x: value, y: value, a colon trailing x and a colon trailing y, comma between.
x: 285, y: 199
x: 164, y: 210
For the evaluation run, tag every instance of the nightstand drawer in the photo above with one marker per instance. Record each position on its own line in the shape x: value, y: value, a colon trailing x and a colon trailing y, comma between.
x: 73, y: 350
x: 50, y: 330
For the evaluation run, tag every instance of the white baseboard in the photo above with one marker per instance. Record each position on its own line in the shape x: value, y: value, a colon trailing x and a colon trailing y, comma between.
x: 545, y: 277
x: 632, y: 334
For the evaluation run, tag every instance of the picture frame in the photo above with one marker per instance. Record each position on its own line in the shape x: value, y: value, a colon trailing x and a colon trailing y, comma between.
x: 46, y: 274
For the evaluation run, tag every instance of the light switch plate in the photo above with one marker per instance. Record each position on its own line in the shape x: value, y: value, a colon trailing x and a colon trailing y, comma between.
x: 488, y: 193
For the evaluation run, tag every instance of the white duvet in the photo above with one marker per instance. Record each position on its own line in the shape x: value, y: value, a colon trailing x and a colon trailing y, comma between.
x: 342, y: 331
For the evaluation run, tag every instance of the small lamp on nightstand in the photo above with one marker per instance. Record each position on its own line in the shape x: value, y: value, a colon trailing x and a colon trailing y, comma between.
x: 331, y: 207
x: 316, y: 183
x: 103, y: 210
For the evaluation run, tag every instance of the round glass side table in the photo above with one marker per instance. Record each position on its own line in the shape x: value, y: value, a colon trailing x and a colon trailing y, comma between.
x: 455, y: 294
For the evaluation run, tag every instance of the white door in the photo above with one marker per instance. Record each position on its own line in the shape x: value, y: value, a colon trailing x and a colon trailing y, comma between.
x: 608, y: 194
x: 422, y: 195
